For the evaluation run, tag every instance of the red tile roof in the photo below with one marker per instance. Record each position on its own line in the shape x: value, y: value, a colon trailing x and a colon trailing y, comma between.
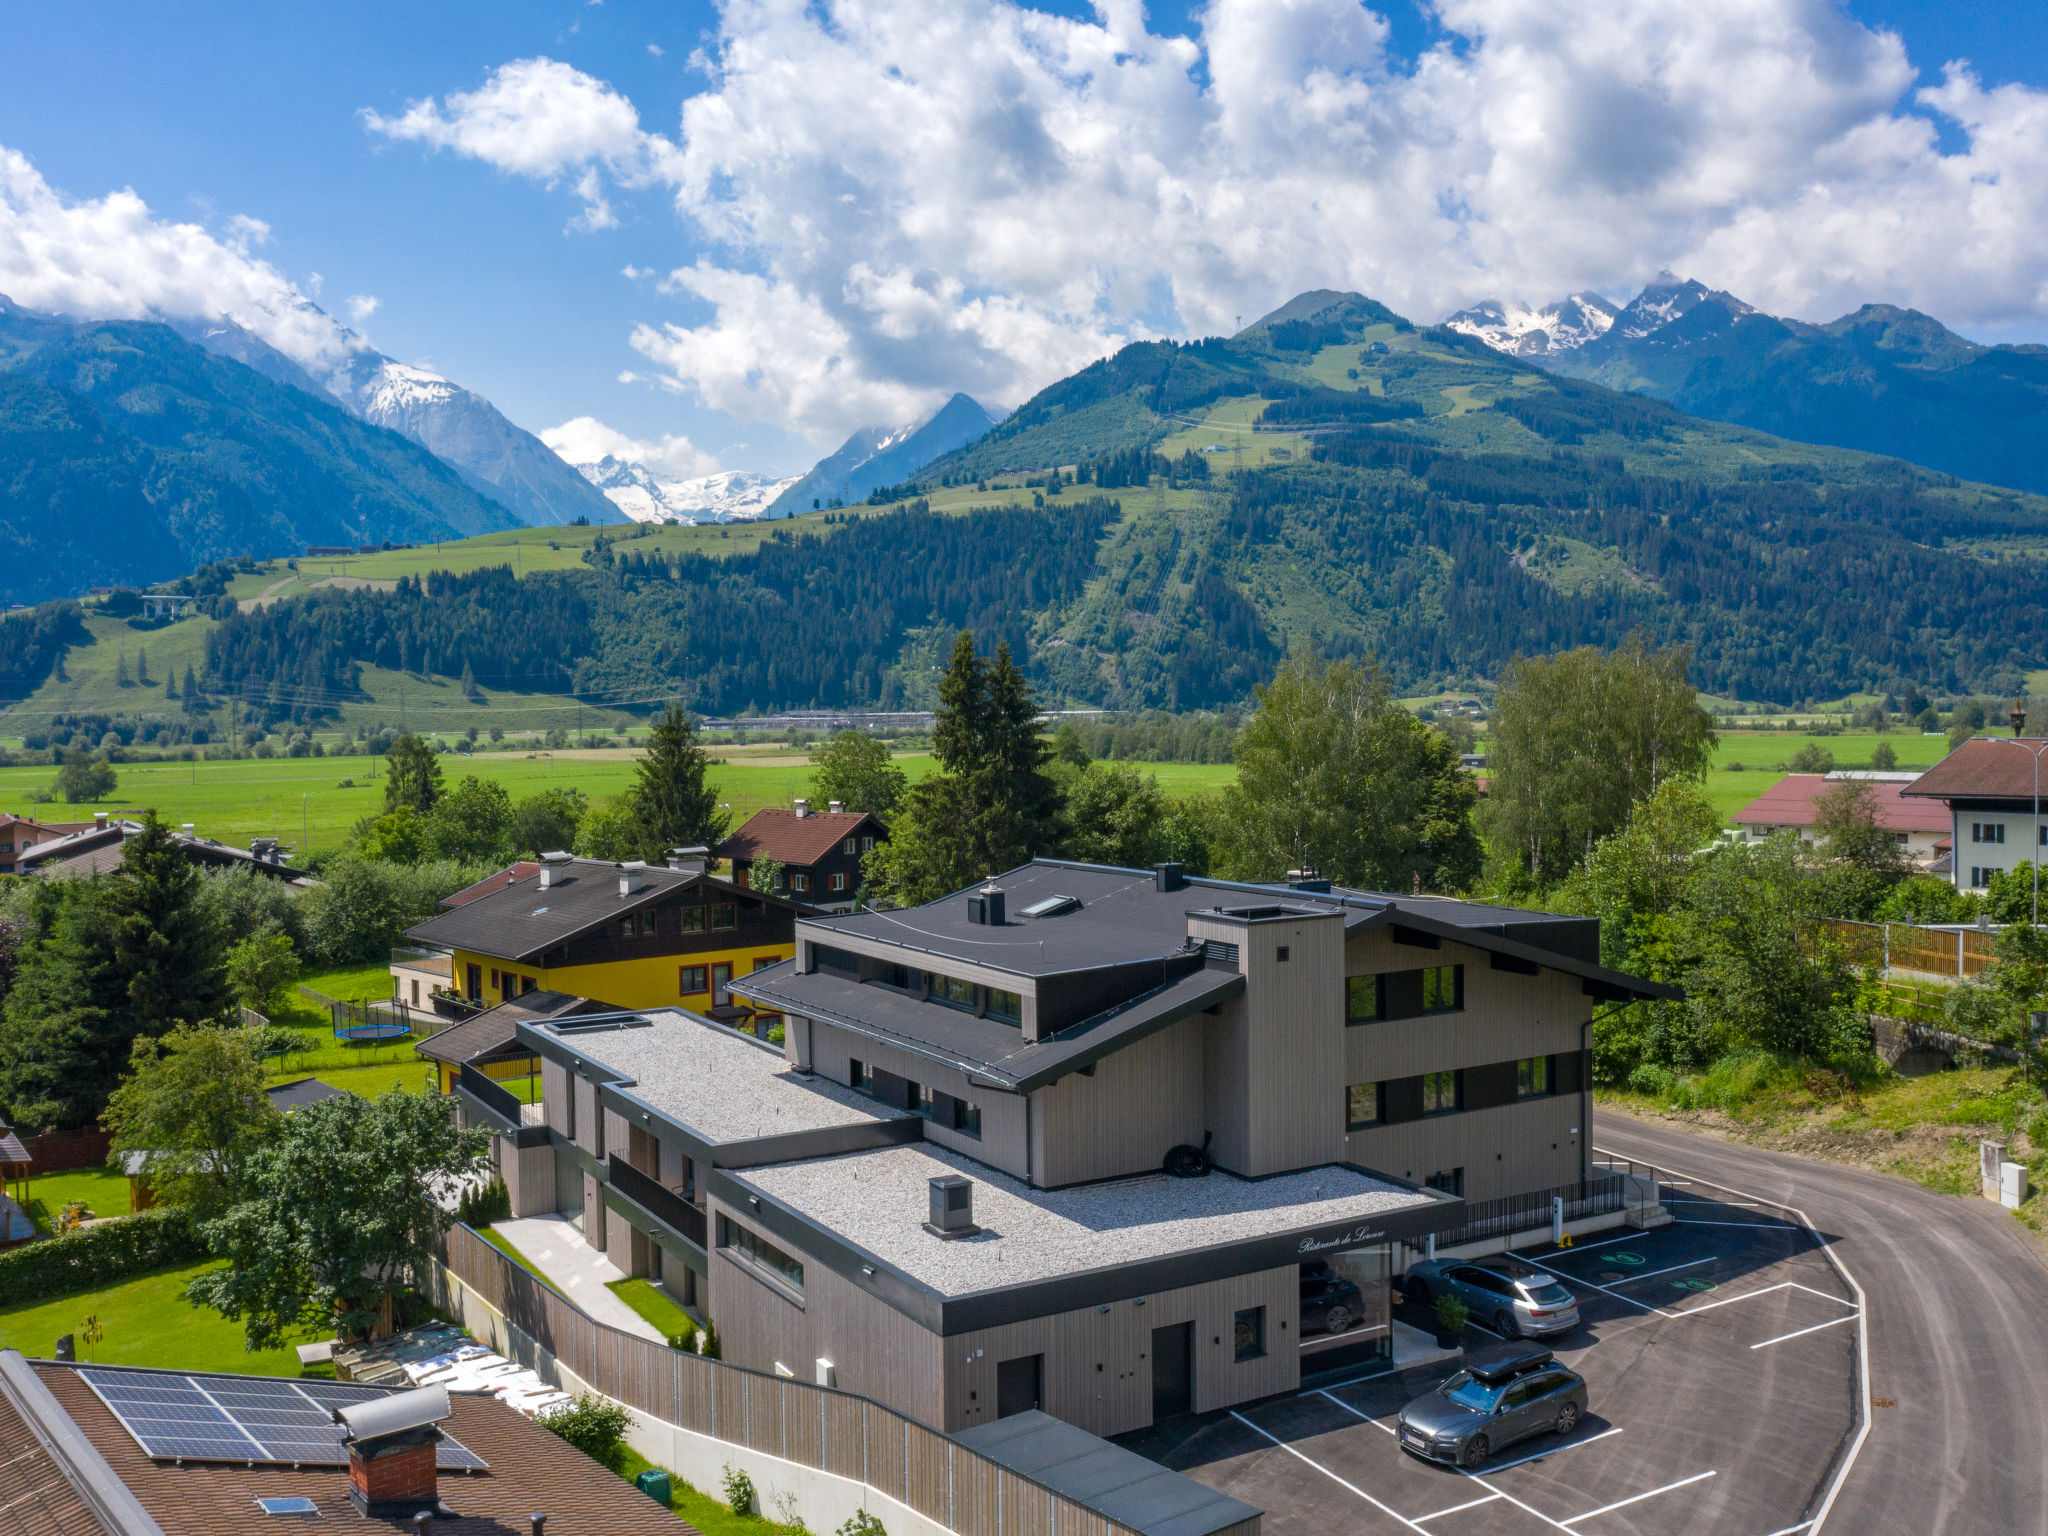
x: 1791, y: 803
x: 782, y: 835
x: 512, y: 874
x: 1985, y: 768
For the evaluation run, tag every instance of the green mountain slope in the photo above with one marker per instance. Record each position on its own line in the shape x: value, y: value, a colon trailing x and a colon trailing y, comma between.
x: 128, y: 454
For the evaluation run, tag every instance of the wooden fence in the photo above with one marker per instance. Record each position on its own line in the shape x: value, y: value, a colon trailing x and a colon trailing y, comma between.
x: 820, y: 1427
x: 1956, y: 952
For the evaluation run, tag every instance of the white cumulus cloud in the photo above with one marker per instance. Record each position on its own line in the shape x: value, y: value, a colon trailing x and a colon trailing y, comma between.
x: 586, y: 440
x: 362, y: 305
x: 885, y: 200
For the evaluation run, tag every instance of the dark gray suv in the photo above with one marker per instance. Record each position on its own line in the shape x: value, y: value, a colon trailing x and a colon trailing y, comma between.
x: 1505, y: 1393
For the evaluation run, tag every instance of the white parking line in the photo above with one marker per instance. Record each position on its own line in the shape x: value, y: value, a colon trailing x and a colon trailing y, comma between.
x: 1590, y: 1285
x: 1604, y: 1509
x: 1802, y: 1333
x: 1468, y: 1504
x: 1706, y: 1200
x: 1729, y: 1301
x: 1606, y: 1242
x: 1333, y: 1477
x: 1823, y: 1295
x: 1668, y: 1269
x: 1555, y: 1450
x: 1790, y: 1530
x: 1746, y: 1226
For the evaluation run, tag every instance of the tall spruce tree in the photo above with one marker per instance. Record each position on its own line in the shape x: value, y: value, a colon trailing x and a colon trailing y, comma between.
x: 414, y: 775
x: 675, y: 807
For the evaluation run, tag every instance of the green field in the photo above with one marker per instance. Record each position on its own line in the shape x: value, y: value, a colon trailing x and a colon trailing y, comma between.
x: 304, y: 800
x: 148, y: 1321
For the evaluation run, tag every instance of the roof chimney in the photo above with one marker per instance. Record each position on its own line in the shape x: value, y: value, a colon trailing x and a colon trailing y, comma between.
x: 1168, y: 877
x: 986, y: 905
x: 837, y: 806
x: 689, y: 861
x: 803, y: 809
x: 552, y: 867
x: 632, y: 877
x: 99, y: 820
x: 952, y: 1208
x: 391, y: 1441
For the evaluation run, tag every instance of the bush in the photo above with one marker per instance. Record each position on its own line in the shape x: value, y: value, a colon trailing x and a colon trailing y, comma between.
x: 1652, y: 1080
x: 861, y: 1523
x: 101, y: 1254
x: 738, y: 1489
x: 595, y: 1425
x: 1451, y: 1314
x: 366, y: 905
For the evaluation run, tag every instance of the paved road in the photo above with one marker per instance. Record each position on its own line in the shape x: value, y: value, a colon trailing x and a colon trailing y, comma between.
x: 1958, y: 1312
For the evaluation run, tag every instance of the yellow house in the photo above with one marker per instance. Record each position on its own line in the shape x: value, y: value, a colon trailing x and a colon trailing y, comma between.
x: 630, y: 935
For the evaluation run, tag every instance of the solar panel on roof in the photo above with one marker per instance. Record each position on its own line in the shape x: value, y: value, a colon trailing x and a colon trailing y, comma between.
x: 175, y: 1417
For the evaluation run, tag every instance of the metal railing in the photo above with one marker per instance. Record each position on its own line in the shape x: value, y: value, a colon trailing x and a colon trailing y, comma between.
x: 837, y: 1432
x: 682, y: 1215
x: 494, y: 1096
x: 1533, y: 1209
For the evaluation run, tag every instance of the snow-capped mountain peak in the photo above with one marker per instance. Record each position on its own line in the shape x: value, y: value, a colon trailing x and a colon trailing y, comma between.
x: 727, y: 496
x: 1522, y: 331
x: 396, y: 386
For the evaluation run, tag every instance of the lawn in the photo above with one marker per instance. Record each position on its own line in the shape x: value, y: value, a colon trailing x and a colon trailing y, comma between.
x: 315, y: 802
x: 413, y: 1076
x: 654, y: 1304
x: 105, y: 1194
x: 707, y: 1514
x: 148, y: 1321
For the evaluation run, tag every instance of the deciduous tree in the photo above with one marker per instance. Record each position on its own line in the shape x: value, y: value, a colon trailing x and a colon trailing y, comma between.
x: 853, y: 768
x: 472, y: 822
x: 194, y: 1104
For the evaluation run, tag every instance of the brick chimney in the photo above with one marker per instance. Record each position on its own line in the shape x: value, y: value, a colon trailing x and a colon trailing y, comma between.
x: 391, y: 1451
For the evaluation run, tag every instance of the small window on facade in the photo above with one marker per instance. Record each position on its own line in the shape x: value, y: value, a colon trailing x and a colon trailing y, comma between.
x: 1280, y: 952
x: 860, y: 1076
x: 867, y: 845
x: 1007, y: 1006
x: 839, y: 881
x: 1987, y: 831
x: 1249, y: 1334
x: 1449, y: 1182
x: 1364, y: 999
x: 725, y: 915
x: 1532, y: 1077
x: 1441, y: 985
x: 918, y: 1099
x: 847, y: 846
x: 1439, y: 1093
x: 1361, y: 1106
x: 967, y: 1118
x: 690, y: 919
x: 690, y: 979
x: 799, y: 882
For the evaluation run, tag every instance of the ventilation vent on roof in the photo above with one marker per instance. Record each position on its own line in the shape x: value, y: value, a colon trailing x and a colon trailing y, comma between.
x: 1051, y: 906
x: 1216, y: 949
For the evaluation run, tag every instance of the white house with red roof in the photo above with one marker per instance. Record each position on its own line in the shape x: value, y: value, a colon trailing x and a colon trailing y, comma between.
x: 1792, y: 805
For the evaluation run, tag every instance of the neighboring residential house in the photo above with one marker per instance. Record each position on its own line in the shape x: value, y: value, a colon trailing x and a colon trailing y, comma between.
x: 635, y: 935
x: 417, y: 974
x: 100, y: 848
x: 1792, y: 805
x: 820, y: 851
x: 18, y: 834
x: 1333, y: 1074
x: 71, y: 1465
x: 511, y: 874
x: 1986, y: 792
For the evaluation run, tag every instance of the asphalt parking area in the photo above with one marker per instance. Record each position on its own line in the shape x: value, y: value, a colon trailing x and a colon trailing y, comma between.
x: 1720, y: 1355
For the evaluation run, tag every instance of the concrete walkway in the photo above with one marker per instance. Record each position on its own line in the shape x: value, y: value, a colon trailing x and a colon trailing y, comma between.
x: 555, y: 1248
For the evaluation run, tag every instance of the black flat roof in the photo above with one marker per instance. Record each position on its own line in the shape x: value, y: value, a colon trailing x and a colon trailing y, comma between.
x: 1108, y: 1479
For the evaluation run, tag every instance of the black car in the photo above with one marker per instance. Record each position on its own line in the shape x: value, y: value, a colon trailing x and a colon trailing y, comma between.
x: 1329, y: 1302
x: 1505, y: 1393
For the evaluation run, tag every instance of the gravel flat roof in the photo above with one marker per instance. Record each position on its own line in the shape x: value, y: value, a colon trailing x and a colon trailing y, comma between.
x: 719, y: 1084
x: 880, y: 1200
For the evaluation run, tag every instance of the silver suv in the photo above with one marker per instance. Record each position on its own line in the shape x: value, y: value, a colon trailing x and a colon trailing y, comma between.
x: 1512, y: 1298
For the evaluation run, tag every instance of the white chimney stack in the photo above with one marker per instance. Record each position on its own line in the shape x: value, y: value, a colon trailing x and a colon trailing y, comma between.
x: 632, y: 877
x: 838, y: 806
x: 550, y: 864
x: 803, y: 809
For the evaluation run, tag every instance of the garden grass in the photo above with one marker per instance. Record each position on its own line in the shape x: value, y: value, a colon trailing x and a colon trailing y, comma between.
x: 148, y: 1321
x: 371, y: 1082
x: 707, y: 1514
x: 654, y: 1304
x: 104, y: 1192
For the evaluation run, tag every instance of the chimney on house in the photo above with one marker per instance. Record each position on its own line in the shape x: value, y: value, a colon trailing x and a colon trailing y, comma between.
x: 632, y: 877
x: 986, y: 905
x: 99, y: 821
x: 552, y: 867
x: 391, y: 1441
x: 1168, y: 877
x: 952, y: 1208
x: 803, y: 809
x: 689, y: 861
x: 837, y: 806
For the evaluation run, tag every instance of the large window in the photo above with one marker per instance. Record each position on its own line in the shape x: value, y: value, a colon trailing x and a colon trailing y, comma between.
x: 1361, y: 1106
x: 1365, y: 999
x: 756, y: 1252
x: 1007, y: 1006
x: 1440, y: 1093
x: 1532, y: 1077
x: 953, y: 993
x: 860, y: 1076
x: 1441, y: 986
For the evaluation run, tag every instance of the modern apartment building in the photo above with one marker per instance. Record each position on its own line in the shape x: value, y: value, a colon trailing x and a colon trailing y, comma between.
x: 1079, y: 1139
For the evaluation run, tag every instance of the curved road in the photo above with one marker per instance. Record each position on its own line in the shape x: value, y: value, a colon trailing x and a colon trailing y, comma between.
x: 1958, y: 1316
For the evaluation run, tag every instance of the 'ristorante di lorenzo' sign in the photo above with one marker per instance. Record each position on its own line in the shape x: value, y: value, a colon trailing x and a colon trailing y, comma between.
x: 1350, y: 1238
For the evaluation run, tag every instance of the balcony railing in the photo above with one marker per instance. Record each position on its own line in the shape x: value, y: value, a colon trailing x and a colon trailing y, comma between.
x: 663, y: 1203
x: 495, y: 1097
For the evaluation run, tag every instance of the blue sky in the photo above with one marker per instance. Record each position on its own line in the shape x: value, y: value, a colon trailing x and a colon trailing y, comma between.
x: 227, y: 109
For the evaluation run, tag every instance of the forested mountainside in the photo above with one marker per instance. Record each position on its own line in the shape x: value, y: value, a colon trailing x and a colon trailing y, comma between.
x: 1408, y: 494
x: 128, y: 454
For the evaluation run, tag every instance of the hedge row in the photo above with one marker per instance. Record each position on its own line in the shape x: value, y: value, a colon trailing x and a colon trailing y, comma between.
x: 98, y: 1255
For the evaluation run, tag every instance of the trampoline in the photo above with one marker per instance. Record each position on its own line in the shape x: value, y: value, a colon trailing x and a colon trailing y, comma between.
x: 361, y: 1023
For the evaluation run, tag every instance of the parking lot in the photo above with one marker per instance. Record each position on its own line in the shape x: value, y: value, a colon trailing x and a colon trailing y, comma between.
x: 1721, y: 1360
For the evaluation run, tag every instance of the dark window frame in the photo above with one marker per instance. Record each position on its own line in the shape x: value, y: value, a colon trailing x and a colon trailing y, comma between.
x: 1538, y: 1067
x: 1379, y: 1107
x: 1457, y: 1085
x: 749, y: 1249
x: 1248, y: 1335
x: 1378, y: 988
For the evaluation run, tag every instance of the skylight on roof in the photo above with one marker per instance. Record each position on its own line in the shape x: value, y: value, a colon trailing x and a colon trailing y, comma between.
x: 1051, y: 906
x: 293, y: 1506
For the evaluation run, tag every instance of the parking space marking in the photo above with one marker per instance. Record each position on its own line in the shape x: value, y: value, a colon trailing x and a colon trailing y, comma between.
x: 1792, y: 1530
x: 1591, y: 1285
x: 1840, y: 1301
x: 1608, y: 1242
x: 1747, y: 1226
x: 1468, y: 1504
x: 1705, y: 1200
x: 1333, y: 1477
x: 1605, y: 1509
x: 1668, y: 1269
x: 1729, y: 1301
x: 1555, y: 1450
x: 1802, y: 1333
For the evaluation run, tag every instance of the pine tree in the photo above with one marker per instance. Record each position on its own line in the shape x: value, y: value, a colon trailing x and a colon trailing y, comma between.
x: 469, y: 689
x: 190, y: 691
x: 142, y: 666
x: 121, y: 671
x: 676, y: 808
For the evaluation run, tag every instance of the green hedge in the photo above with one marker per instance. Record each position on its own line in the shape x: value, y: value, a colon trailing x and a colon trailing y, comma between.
x: 99, y: 1255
